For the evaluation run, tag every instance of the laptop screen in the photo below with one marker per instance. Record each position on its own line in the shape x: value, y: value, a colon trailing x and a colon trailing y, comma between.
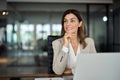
x: 100, y: 66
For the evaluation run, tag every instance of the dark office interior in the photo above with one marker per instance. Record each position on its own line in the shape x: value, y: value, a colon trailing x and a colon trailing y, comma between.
x: 26, y: 25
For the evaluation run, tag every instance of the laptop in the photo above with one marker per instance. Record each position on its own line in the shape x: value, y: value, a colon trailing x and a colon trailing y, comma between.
x: 100, y: 66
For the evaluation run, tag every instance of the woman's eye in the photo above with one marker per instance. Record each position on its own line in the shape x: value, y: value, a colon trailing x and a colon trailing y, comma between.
x: 72, y: 21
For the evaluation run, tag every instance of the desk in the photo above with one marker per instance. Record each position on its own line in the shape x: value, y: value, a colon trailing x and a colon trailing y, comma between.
x: 26, y: 72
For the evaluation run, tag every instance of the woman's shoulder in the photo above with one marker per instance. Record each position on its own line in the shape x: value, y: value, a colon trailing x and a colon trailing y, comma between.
x: 89, y: 40
x: 59, y: 40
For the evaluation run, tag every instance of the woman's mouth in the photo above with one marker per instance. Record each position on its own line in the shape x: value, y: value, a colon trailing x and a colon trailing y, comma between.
x: 68, y: 29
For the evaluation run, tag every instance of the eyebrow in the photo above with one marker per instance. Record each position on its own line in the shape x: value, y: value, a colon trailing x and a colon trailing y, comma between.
x: 70, y: 18
x: 74, y: 18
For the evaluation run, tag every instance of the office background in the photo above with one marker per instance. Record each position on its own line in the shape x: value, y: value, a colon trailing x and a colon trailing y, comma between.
x: 26, y: 25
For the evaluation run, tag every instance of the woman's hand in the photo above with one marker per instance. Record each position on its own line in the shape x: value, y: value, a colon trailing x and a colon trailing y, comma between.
x: 66, y: 39
x: 68, y: 71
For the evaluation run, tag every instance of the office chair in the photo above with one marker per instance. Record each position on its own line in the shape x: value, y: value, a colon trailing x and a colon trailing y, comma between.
x: 50, y: 52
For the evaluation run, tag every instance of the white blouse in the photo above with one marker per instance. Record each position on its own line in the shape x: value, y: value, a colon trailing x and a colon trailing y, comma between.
x: 72, y: 57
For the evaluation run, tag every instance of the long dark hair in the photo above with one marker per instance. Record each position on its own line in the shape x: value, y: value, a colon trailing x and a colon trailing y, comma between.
x: 81, y: 33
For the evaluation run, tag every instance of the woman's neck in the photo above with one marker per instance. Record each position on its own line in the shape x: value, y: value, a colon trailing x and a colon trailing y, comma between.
x: 74, y: 40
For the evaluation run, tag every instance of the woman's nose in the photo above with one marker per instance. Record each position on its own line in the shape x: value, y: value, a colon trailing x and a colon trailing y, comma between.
x: 68, y: 23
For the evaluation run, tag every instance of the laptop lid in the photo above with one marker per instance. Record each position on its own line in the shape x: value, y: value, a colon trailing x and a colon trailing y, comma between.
x: 100, y: 66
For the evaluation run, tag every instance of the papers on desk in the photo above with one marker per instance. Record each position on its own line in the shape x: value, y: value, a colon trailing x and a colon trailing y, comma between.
x: 57, y: 78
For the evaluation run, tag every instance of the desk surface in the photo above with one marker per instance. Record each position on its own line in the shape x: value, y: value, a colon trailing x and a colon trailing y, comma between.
x: 29, y: 75
x: 8, y: 72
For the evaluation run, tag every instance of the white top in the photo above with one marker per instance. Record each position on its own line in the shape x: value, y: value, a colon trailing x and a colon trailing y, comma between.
x: 72, y: 57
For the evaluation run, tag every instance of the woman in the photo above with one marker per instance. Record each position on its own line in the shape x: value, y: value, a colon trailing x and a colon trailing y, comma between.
x: 73, y: 41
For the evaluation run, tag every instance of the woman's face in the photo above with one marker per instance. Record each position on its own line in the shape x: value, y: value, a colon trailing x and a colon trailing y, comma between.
x: 71, y: 23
